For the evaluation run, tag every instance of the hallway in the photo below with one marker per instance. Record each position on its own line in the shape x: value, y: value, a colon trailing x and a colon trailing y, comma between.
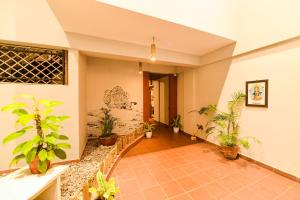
x: 172, y: 167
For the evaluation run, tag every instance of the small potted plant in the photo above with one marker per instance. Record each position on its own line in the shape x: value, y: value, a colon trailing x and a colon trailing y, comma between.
x: 148, y: 128
x: 176, y: 124
x: 107, y: 124
x: 226, y: 124
x: 106, y: 190
x: 46, y: 144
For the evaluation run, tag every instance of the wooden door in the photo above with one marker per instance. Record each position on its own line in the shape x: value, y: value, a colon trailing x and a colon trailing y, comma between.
x: 146, y: 97
x: 172, y: 97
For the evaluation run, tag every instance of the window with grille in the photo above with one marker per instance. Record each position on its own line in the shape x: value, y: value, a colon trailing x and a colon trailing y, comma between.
x: 23, y: 64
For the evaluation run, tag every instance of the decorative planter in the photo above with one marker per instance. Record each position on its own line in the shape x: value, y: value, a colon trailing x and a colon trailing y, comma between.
x: 108, y: 141
x: 176, y: 129
x: 33, y: 165
x: 149, y: 134
x: 230, y: 152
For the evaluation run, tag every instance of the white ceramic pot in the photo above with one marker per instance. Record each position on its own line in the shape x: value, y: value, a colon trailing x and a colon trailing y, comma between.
x: 149, y: 134
x: 176, y: 129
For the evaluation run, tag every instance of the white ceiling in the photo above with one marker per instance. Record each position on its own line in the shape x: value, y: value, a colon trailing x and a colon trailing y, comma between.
x: 93, y: 18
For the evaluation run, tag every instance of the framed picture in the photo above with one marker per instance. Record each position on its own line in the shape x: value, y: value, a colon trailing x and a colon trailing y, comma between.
x: 257, y: 93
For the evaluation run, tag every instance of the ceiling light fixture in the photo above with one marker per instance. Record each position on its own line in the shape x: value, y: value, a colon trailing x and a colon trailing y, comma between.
x: 140, y: 68
x: 153, y: 50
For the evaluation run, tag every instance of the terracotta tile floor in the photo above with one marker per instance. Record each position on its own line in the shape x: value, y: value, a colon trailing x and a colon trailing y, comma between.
x: 172, y: 167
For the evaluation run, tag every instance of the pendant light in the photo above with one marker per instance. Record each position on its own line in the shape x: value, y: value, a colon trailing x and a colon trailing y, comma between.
x: 140, y: 68
x: 153, y: 50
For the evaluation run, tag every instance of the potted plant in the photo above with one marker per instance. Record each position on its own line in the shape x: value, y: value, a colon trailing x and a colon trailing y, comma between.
x: 46, y: 144
x: 106, y: 190
x: 148, y: 128
x: 107, y: 124
x: 226, y: 124
x: 176, y: 124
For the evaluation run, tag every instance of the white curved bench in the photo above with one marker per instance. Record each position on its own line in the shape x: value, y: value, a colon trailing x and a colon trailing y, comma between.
x: 21, y: 184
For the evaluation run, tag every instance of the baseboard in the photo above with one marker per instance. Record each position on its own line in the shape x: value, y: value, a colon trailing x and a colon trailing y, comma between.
x: 266, y: 166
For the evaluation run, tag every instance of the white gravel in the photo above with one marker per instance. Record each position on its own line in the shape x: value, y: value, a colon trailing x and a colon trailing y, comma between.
x: 73, y: 180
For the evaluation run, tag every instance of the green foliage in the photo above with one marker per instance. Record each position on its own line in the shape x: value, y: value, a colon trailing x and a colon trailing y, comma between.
x: 177, y: 122
x: 148, y: 127
x: 107, y: 122
x: 226, y: 124
x: 106, y: 189
x: 34, y: 116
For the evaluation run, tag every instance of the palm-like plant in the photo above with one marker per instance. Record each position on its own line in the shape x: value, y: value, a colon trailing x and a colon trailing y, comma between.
x: 148, y: 127
x: 226, y: 124
x: 177, y: 122
x: 107, y: 122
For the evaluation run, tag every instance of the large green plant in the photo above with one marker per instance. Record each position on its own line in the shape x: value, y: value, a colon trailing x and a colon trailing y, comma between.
x: 107, y: 122
x: 177, y: 122
x: 35, y: 115
x: 106, y: 190
x: 226, y: 124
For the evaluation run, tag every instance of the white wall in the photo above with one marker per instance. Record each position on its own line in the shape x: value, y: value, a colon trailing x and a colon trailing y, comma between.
x: 33, y: 22
x: 103, y: 74
x: 276, y: 127
x: 180, y: 97
x: 156, y: 99
x: 82, y: 102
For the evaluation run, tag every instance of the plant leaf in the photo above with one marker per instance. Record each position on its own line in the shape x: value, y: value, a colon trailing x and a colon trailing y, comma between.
x: 13, y: 136
x: 50, y: 155
x: 25, y: 119
x: 29, y: 145
x: 50, y: 139
x: 49, y: 104
x: 42, y: 155
x: 19, y: 148
x: 16, y: 159
x: 63, y: 137
x: 60, y: 153
x: 42, y: 167
x: 63, y: 146
x: 20, y: 111
x: 13, y: 106
x: 31, y: 155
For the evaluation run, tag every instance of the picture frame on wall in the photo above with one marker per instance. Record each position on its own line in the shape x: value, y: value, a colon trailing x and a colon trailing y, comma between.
x: 257, y: 93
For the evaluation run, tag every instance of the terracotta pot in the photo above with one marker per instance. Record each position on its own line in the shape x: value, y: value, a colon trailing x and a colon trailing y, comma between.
x: 33, y: 165
x: 231, y: 152
x: 108, y: 141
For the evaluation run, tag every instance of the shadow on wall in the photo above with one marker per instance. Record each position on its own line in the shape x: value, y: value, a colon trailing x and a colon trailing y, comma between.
x: 204, y: 85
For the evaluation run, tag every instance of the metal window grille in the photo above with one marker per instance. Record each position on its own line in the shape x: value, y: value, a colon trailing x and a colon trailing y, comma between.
x: 24, y: 64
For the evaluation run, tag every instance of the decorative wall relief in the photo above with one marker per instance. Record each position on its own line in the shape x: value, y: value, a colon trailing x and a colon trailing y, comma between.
x: 128, y: 113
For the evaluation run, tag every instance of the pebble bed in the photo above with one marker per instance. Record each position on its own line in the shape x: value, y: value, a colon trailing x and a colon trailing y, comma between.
x: 78, y: 173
